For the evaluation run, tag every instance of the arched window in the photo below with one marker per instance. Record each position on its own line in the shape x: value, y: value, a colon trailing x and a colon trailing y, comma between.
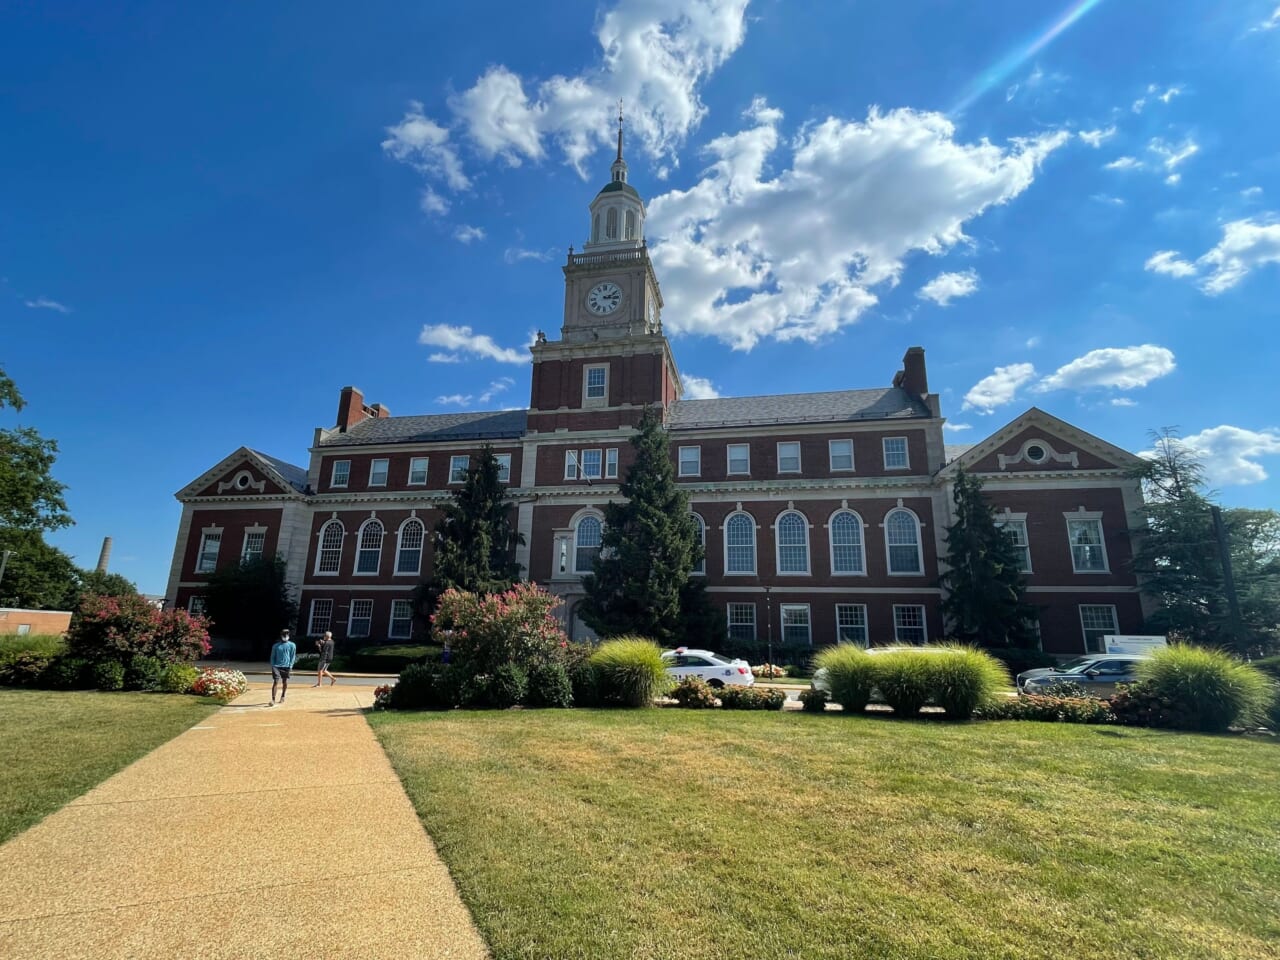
x: 329, y: 557
x: 846, y: 543
x: 740, y: 544
x: 611, y: 224
x: 793, y: 543
x: 595, y: 229
x: 902, y: 537
x: 586, y: 543
x: 631, y: 226
x: 409, y: 546
x: 701, y: 565
x: 369, y: 555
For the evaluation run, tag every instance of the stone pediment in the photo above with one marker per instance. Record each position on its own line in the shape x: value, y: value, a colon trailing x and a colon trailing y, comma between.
x: 1038, y: 442
x: 246, y: 473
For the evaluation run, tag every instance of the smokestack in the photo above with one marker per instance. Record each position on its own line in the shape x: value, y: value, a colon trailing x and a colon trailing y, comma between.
x: 104, y: 558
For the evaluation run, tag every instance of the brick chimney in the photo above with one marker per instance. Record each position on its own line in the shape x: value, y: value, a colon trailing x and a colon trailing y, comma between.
x: 350, y: 408
x: 378, y: 411
x: 914, y: 380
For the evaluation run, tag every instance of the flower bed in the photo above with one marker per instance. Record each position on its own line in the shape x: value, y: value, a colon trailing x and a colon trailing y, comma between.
x: 219, y: 684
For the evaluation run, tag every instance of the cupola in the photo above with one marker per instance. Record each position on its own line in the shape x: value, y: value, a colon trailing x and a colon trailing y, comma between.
x: 617, y: 212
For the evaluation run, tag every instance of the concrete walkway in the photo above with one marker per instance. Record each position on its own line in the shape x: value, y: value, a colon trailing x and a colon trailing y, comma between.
x: 259, y: 833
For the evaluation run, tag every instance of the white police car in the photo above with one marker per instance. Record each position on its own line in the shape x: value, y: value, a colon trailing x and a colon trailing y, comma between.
x: 716, y: 670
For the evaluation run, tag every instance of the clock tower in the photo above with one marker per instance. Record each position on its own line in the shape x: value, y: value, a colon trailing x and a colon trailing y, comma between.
x: 612, y: 354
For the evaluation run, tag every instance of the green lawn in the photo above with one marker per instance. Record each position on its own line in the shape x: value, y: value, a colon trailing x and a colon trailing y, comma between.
x: 683, y: 834
x: 55, y: 746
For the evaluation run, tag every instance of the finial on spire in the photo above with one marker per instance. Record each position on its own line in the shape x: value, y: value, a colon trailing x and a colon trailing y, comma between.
x: 619, y: 128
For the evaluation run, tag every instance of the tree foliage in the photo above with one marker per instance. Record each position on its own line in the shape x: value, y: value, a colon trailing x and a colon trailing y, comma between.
x: 251, y: 602
x: 649, y: 548
x: 37, y: 576
x: 30, y: 499
x: 120, y: 628
x: 985, y: 590
x: 106, y: 584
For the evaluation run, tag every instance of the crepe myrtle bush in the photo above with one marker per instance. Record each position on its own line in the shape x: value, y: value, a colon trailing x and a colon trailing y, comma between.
x: 485, y: 631
x: 121, y: 628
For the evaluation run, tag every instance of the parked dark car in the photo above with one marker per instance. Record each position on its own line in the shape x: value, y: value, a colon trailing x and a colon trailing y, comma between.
x: 1097, y: 674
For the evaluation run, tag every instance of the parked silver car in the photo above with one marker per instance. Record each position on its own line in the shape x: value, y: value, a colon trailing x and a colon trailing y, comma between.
x: 1096, y: 674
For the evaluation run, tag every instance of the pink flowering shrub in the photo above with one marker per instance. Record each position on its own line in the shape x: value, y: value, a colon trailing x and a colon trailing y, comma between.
x: 485, y: 632
x: 382, y: 697
x: 120, y: 628
x: 219, y: 684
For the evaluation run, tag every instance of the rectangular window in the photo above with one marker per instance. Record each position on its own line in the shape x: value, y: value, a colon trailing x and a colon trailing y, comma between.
x: 341, y: 473
x: 740, y: 458
x: 841, y: 454
x: 401, y: 620
x: 361, y: 621
x: 591, y: 464
x: 1033, y: 629
x: 611, y: 463
x: 908, y: 625
x: 207, y: 562
x: 254, y: 542
x: 690, y: 461
x: 1016, y: 530
x: 321, y: 618
x: 795, y: 623
x: 700, y: 568
x: 1097, y: 621
x: 418, y: 472
x: 895, y: 453
x: 789, y: 457
x: 458, y: 467
x: 851, y: 623
x: 742, y: 622
x: 504, y: 467
x: 378, y: 472
x: 596, y: 380
x: 571, y: 464
x: 195, y: 606
x: 1088, y: 553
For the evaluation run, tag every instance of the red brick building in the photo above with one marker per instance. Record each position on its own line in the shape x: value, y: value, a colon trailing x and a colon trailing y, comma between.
x: 822, y: 514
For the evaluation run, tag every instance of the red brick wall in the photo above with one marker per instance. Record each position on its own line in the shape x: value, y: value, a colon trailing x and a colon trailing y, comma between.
x: 1060, y: 629
x: 638, y: 379
x: 233, y: 523
x: 380, y: 625
x: 351, y: 521
x: 815, y: 459
x: 1086, y: 460
x: 37, y: 621
x: 398, y: 468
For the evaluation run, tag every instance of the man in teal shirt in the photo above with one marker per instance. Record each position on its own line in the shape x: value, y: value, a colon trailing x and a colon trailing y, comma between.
x: 283, y: 655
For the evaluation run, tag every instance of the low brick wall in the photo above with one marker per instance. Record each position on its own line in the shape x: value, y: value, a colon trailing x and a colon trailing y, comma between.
x: 33, y: 621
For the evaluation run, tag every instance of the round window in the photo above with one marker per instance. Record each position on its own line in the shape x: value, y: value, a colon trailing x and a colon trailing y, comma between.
x: 1036, y: 453
x: 242, y: 481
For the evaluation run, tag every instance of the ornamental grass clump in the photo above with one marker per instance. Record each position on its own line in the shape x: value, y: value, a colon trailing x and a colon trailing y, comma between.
x: 964, y: 679
x: 630, y: 672
x: 851, y: 674
x: 1196, y: 688
x: 906, y: 680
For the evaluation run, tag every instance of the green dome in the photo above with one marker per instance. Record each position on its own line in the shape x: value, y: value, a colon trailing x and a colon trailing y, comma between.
x: 619, y: 186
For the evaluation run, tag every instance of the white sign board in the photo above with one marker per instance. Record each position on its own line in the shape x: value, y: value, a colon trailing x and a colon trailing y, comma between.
x: 1112, y: 643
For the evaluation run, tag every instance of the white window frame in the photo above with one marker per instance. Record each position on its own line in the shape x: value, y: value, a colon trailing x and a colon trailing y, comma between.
x: 728, y: 460
x: 331, y: 524
x: 831, y: 456
x: 453, y: 467
x: 571, y: 464
x: 425, y: 461
x: 784, y: 609
x: 577, y: 528
x: 790, y: 443
x: 858, y: 609
x: 1012, y: 523
x: 700, y: 569
x: 593, y: 470
x: 393, y: 620
x: 373, y: 471
x: 755, y: 559
x: 206, y: 536
x: 906, y: 453
x: 1084, y: 629
x: 862, y: 543
x: 587, y: 398
x: 351, y: 620
x: 1088, y: 516
x: 898, y: 627
x: 361, y: 548
x: 504, y: 467
x: 729, y: 623
x: 697, y: 458
x: 611, y: 463
x: 244, y: 547
x: 196, y: 605
x: 777, y: 545
x: 400, y: 530
x: 333, y: 474
x: 888, y: 547
x: 321, y: 607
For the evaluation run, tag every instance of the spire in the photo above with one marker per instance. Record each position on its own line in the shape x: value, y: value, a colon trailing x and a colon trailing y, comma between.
x: 619, y: 129
x: 618, y: 170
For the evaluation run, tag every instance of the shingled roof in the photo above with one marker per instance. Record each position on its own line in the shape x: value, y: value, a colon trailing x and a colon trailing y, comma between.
x: 296, y: 476
x: 490, y: 425
x: 887, y: 403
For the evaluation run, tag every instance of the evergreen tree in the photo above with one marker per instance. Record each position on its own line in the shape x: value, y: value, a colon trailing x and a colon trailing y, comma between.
x: 985, y: 590
x: 251, y: 602
x: 648, y: 550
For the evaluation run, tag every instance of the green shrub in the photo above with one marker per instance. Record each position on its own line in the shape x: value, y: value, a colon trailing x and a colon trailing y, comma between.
x: 693, y: 693
x: 906, y: 680
x: 24, y: 669
x: 1273, y: 715
x: 1269, y: 665
x: 417, y: 689
x: 108, y: 675
x: 963, y: 679
x: 178, y: 678
x: 1019, y: 659
x: 1196, y: 688
x: 67, y: 673
x: 814, y: 701
x: 582, y: 676
x: 143, y: 673
x: 117, y: 628
x: 45, y: 644
x: 307, y: 662
x: 509, y: 688
x: 549, y: 686
x: 386, y: 658
x: 751, y: 698
x: 1048, y: 708
x: 630, y: 672
x: 851, y: 673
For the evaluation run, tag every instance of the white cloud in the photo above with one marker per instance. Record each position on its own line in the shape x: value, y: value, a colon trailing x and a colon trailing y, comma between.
x: 1173, y: 179
x: 467, y: 234
x: 1123, y: 402
x: 1172, y: 156
x: 1168, y: 263
x: 1230, y: 454
x: 1245, y: 246
x: 432, y: 203
x: 957, y: 427
x: 1154, y: 93
x: 1123, y: 163
x: 501, y: 385
x: 44, y: 303
x: 1094, y: 138
x: 423, y: 144
x: 1033, y: 342
x: 1251, y: 193
x: 946, y: 287
x: 743, y: 257
x: 999, y: 388
x: 444, y: 358
x: 1108, y: 199
x: 1271, y: 22
x: 460, y: 340
x: 454, y: 399
x: 698, y: 388
x: 516, y: 254
x: 1122, y: 368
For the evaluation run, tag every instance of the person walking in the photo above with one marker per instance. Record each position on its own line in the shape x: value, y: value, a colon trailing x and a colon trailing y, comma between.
x: 283, y: 655
x: 325, y: 646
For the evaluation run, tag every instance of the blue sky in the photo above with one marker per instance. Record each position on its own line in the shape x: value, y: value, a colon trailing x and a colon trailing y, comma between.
x: 214, y: 217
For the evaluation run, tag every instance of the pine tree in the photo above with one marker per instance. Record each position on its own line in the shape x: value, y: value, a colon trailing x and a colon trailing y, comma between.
x: 648, y: 550
x: 985, y: 590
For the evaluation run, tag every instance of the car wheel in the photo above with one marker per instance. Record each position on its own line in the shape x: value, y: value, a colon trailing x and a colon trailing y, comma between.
x: 715, y: 684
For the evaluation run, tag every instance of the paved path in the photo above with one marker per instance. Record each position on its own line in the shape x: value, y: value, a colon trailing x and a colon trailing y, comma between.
x: 259, y: 833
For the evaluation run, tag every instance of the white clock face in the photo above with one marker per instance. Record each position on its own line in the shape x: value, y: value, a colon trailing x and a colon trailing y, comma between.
x: 604, y: 298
